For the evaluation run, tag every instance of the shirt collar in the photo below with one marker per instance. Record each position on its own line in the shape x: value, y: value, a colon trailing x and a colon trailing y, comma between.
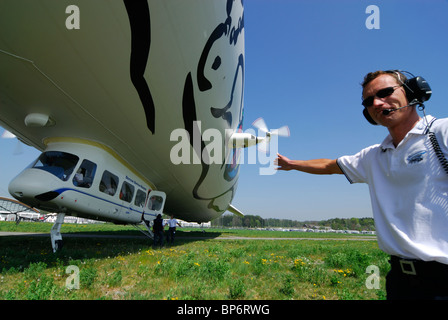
x: 420, y: 128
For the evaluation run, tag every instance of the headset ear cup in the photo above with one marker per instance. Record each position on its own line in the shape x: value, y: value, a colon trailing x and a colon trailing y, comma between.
x: 417, y: 88
x: 368, y: 117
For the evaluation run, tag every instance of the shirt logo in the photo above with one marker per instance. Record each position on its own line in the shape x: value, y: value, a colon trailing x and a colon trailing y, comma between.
x: 415, y: 157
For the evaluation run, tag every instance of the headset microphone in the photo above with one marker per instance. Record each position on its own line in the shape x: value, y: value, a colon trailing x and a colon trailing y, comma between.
x: 388, y: 111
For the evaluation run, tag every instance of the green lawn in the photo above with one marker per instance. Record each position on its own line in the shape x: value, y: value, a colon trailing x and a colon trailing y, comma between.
x: 200, y: 266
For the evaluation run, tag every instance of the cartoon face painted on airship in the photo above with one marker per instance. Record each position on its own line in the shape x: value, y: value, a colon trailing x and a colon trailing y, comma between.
x: 223, y: 51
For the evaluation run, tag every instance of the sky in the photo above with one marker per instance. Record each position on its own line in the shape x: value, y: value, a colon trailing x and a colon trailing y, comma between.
x: 304, y: 62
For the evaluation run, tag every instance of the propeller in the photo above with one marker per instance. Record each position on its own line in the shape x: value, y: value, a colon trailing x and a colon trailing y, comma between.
x: 8, y: 135
x: 260, y: 124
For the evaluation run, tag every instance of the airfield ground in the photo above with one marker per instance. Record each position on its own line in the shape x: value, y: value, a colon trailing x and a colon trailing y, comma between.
x: 115, y: 262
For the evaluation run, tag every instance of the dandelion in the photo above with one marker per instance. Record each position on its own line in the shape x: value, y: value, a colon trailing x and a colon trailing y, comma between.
x: 246, y: 262
x: 197, y: 264
x: 299, y: 263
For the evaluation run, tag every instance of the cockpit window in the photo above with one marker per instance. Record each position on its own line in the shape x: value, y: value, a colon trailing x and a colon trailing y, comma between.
x: 60, y: 164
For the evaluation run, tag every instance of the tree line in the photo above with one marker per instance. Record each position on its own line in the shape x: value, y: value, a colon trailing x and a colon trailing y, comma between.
x: 254, y: 221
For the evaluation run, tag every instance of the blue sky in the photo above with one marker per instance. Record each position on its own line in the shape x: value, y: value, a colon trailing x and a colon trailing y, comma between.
x: 304, y: 63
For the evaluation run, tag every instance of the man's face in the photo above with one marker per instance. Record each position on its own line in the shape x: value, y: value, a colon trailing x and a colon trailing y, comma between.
x: 396, y: 100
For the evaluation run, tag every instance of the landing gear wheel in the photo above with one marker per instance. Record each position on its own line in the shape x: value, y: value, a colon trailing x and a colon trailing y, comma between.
x: 59, y: 244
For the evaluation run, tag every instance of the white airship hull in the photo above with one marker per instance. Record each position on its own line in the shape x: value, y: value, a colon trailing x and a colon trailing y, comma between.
x: 132, y: 73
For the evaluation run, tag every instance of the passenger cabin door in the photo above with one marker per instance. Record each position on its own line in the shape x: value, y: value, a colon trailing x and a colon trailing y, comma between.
x: 155, y: 201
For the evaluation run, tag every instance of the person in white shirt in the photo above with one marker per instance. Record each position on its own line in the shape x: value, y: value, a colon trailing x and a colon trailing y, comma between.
x: 408, y: 182
x: 172, y: 229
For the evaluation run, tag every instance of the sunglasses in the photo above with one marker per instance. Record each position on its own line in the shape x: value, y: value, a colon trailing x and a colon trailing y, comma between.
x: 383, y: 93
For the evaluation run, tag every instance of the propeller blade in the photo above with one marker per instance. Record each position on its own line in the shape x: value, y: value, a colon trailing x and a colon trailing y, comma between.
x: 263, y: 146
x: 7, y: 135
x: 260, y: 125
x: 18, y: 150
x: 282, y: 132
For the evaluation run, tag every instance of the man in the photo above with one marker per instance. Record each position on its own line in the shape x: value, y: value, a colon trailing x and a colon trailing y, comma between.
x: 408, y: 187
x: 157, y: 228
x: 172, y: 229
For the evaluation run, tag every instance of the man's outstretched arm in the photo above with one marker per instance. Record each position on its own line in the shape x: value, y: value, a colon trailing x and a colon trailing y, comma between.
x: 315, y: 166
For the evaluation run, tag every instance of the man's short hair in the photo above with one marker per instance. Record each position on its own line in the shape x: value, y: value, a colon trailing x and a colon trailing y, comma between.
x: 400, y: 77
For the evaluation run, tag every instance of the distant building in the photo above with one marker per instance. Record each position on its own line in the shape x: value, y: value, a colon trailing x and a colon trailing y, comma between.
x: 194, y: 224
x: 71, y: 219
x: 11, y: 210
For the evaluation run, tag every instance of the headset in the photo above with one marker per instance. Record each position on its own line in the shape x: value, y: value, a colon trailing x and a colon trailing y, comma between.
x: 417, y: 91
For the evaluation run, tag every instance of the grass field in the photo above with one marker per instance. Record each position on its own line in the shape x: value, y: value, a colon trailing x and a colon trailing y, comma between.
x: 200, y: 266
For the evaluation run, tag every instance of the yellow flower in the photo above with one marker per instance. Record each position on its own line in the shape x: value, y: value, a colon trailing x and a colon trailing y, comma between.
x: 299, y: 262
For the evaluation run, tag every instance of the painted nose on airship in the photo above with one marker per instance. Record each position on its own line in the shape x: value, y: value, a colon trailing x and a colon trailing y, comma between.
x: 33, y: 186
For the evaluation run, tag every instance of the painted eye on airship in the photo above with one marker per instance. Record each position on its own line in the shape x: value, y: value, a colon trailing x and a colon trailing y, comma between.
x: 217, y: 63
